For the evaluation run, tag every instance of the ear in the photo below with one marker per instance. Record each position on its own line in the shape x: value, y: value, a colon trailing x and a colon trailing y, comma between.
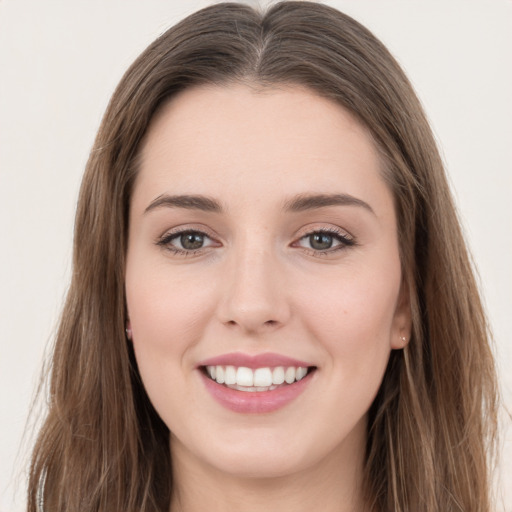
x: 402, y: 320
x: 128, y: 330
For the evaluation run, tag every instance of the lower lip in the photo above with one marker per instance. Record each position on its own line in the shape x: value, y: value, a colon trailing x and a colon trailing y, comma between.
x: 257, y: 402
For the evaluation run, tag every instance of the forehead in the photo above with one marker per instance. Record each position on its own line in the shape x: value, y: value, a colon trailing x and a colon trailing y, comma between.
x: 235, y: 141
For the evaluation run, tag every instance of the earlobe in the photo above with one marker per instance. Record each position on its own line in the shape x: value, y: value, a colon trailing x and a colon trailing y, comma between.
x: 128, y: 330
x: 402, y: 342
x: 402, y: 321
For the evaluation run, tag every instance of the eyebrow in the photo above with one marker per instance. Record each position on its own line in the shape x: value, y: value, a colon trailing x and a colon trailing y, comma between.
x: 304, y: 202
x: 189, y: 202
x: 299, y: 203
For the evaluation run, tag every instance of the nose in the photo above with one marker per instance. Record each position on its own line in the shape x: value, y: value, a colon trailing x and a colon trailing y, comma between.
x: 254, y: 297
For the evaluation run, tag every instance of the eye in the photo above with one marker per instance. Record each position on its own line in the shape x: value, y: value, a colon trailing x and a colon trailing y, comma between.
x: 185, y: 242
x: 326, y: 241
x: 191, y: 241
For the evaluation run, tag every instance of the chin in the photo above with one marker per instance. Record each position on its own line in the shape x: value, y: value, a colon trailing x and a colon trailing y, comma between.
x: 260, y: 453
x: 262, y: 464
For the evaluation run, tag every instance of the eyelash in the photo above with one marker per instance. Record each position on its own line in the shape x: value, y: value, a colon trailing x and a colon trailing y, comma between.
x: 344, y: 240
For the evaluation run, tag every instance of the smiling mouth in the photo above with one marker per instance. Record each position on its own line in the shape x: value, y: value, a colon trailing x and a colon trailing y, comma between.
x: 246, y: 379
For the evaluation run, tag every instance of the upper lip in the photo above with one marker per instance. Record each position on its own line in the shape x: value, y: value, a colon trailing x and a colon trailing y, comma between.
x: 267, y: 359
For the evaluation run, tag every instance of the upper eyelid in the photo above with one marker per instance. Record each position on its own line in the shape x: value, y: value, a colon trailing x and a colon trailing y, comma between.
x: 333, y: 233
x: 188, y: 229
x: 334, y: 230
x: 297, y: 235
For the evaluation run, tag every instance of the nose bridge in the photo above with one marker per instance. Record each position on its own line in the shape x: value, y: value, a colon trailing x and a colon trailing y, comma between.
x: 253, y: 295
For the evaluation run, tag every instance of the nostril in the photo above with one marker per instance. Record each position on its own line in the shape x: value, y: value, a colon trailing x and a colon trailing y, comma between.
x: 266, y: 323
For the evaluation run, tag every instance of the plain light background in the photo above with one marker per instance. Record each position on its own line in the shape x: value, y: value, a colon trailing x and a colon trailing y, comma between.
x: 59, y: 64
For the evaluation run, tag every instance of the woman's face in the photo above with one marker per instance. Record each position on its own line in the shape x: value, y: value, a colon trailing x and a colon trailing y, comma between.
x: 262, y: 240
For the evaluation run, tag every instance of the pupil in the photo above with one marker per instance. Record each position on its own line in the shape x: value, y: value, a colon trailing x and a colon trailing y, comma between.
x: 192, y: 241
x: 321, y: 241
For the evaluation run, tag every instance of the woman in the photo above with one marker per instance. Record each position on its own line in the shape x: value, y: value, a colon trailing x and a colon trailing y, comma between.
x: 272, y: 304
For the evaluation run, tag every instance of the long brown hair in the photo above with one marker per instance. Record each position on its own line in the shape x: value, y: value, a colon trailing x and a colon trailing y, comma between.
x: 103, y: 447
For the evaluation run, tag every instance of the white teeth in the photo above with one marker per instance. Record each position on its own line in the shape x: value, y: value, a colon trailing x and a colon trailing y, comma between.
x: 259, y: 379
x: 262, y: 377
x: 278, y: 375
x: 230, y: 375
x: 244, y: 376
x: 301, y: 373
x: 219, y: 374
x: 289, y: 375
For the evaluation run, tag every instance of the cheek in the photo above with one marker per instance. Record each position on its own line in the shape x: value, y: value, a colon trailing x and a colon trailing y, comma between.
x: 167, y: 313
x: 165, y: 310
x: 358, y: 312
x: 352, y: 314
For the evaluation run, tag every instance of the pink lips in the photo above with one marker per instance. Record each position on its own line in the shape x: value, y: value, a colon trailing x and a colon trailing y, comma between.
x: 255, y: 361
x: 257, y: 401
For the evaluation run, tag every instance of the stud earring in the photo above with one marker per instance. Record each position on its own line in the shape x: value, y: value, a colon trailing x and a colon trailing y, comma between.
x: 403, y: 339
x: 128, y: 333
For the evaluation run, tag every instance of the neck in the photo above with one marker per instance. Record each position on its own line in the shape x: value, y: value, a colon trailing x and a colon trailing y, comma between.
x: 333, y: 484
